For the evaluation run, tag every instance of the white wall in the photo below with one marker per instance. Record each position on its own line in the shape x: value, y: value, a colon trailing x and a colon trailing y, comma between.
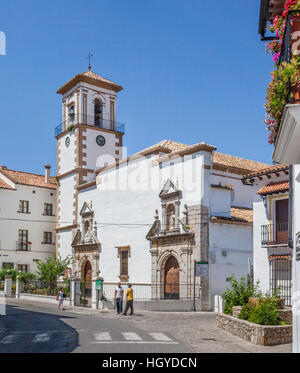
x: 296, y: 264
x: 125, y: 212
x: 261, y: 216
x: 35, y: 222
x: 67, y: 154
x: 236, y: 240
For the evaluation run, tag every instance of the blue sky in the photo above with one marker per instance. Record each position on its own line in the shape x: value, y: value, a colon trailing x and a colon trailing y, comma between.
x: 191, y: 70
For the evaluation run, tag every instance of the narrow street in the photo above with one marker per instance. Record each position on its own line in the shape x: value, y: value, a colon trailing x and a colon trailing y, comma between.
x: 40, y: 327
x: 44, y: 329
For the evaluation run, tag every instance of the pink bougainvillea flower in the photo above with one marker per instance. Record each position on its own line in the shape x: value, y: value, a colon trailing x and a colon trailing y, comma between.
x: 288, y: 4
x: 276, y: 56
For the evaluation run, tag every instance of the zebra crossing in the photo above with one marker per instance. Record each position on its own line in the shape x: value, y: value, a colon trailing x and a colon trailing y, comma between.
x: 132, y: 337
x: 101, y: 337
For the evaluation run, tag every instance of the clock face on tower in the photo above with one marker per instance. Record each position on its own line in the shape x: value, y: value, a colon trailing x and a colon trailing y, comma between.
x: 100, y: 140
x: 67, y: 141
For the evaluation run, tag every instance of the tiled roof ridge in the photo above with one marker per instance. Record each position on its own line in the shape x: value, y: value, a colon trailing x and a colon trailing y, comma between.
x: 267, y: 170
x: 259, y: 164
x: 24, y: 172
x: 242, y: 208
x: 274, y: 187
x: 27, y: 173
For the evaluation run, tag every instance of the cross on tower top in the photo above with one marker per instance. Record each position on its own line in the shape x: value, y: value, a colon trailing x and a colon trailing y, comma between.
x: 89, y: 58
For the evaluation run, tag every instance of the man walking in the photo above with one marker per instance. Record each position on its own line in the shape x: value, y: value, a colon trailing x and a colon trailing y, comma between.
x: 119, y: 292
x: 129, y: 301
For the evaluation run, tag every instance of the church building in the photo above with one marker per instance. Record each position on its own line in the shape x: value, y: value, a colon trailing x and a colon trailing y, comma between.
x: 149, y: 217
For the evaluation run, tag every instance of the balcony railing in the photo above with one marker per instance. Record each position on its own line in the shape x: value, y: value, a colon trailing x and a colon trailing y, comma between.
x: 23, y: 246
x: 274, y: 234
x: 89, y: 120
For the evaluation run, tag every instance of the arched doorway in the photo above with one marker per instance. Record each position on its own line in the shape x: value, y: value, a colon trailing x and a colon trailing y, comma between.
x: 88, y: 271
x: 86, y: 285
x: 171, y: 280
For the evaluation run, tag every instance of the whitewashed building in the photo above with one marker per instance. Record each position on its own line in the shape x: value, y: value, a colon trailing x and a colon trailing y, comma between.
x: 147, y: 218
x: 27, y: 218
x: 272, y: 256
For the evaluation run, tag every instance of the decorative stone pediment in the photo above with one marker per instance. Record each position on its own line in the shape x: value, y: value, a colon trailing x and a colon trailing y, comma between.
x: 86, y: 209
x: 88, y: 239
x: 169, y: 190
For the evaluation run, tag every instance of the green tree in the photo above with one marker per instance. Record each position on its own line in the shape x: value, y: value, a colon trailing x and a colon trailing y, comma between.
x: 52, y: 268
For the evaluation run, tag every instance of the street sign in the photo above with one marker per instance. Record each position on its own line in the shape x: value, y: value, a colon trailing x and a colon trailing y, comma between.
x: 201, y: 269
x: 98, y: 284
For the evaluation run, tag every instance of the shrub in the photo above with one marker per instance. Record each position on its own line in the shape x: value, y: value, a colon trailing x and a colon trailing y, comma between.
x: 239, y: 293
x: 26, y: 277
x: 266, y: 313
x: 245, y: 312
x: 8, y: 272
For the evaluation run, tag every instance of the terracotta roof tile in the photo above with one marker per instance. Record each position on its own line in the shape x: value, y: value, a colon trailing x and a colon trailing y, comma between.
x: 280, y: 256
x: 89, y: 77
x: 231, y: 161
x: 224, y: 160
x: 167, y: 146
x: 238, y: 215
x: 4, y: 185
x: 267, y: 170
x: 274, y: 187
x: 25, y: 178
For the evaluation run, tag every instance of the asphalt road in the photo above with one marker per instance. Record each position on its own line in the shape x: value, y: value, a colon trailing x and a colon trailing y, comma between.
x: 41, y: 329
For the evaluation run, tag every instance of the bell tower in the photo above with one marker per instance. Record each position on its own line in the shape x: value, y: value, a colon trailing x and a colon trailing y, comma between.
x: 88, y: 138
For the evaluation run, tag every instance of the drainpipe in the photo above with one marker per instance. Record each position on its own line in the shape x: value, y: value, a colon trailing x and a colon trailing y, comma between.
x: 291, y: 207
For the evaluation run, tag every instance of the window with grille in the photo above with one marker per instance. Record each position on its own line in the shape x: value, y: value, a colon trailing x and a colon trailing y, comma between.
x: 24, y: 207
x: 48, y: 209
x: 23, y: 268
x: 281, y: 278
x: 124, y: 262
x: 23, y: 240
x: 48, y: 237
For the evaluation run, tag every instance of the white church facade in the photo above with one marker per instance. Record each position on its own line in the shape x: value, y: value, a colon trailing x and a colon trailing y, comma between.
x: 147, y: 218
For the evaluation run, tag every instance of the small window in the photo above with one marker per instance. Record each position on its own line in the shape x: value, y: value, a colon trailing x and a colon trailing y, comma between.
x: 7, y: 265
x: 71, y: 113
x: 23, y: 268
x: 23, y: 243
x: 48, y: 210
x: 24, y: 207
x: 48, y: 237
x: 98, y: 113
x: 124, y: 262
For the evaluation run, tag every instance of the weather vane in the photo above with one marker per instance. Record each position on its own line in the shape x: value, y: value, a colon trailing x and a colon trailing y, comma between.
x: 89, y: 58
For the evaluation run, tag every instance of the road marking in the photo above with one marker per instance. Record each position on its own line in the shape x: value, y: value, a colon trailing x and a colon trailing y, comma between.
x: 9, y: 339
x: 49, y: 331
x: 132, y: 336
x: 42, y: 337
x: 160, y: 337
x: 104, y: 336
x: 135, y: 342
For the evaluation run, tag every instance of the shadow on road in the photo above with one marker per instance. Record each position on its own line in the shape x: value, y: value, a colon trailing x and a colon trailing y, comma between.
x: 32, y: 332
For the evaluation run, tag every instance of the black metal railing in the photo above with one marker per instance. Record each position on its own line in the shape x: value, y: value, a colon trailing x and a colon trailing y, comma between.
x: 89, y: 120
x: 274, y: 234
x: 39, y: 287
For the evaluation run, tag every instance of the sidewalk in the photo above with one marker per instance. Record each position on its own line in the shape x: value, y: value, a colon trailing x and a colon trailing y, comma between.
x: 197, y: 330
